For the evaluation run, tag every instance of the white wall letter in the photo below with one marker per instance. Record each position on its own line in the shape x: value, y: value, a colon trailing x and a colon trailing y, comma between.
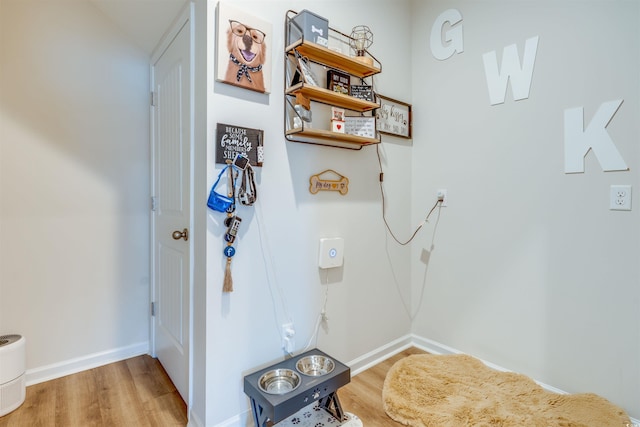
x: 453, y: 37
x: 497, y: 80
x: 578, y: 140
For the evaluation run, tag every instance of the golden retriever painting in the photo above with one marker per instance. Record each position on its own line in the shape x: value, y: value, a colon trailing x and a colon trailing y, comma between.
x: 241, y: 54
x: 247, y: 54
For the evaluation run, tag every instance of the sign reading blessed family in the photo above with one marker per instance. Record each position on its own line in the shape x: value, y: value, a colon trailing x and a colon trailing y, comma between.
x: 232, y: 140
x: 393, y: 117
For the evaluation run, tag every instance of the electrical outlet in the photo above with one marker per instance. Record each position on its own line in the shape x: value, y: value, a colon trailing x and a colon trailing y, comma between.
x: 620, y: 198
x: 288, y: 337
x: 442, y: 196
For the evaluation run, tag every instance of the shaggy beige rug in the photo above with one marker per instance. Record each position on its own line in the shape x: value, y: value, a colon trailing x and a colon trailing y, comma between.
x: 429, y: 390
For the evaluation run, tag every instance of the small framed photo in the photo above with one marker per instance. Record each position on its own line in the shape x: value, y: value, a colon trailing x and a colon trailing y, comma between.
x: 338, y: 82
x: 304, y: 72
x: 337, y: 114
x: 393, y: 117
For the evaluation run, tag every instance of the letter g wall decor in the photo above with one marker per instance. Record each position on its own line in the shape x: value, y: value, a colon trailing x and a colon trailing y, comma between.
x: 447, y: 39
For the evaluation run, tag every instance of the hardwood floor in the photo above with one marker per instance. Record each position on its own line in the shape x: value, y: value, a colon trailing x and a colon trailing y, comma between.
x: 138, y: 393
x: 363, y: 395
x: 134, y: 392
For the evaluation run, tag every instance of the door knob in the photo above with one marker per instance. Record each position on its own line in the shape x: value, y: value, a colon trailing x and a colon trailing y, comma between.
x: 184, y: 234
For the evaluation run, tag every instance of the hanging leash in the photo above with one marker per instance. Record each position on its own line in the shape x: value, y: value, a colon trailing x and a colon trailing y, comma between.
x: 247, y: 193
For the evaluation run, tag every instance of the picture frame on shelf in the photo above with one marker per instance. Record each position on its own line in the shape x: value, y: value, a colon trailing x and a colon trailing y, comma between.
x: 362, y: 92
x: 393, y: 117
x: 338, y: 82
x: 304, y: 73
x: 361, y: 126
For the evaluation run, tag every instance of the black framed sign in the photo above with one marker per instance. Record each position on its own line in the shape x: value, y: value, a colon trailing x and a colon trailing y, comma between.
x: 393, y: 117
x: 361, y: 92
x: 232, y: 140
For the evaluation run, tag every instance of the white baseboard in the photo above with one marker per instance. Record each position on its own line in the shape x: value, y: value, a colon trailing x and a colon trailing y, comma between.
x: 376, y: 356
x: 241, y: 420
x: 434, y: 347
x: 194, y: 421
x: 431, y: 346
x: 78, y: 364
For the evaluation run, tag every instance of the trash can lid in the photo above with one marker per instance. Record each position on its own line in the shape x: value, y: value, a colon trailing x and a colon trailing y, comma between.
x: 8, y: 339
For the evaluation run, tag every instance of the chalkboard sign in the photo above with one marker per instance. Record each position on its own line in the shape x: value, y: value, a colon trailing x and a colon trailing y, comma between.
x: 232, y: 140
x: 362, y: 92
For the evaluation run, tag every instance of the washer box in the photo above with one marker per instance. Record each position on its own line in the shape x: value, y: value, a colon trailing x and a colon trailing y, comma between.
x: 311, y: 27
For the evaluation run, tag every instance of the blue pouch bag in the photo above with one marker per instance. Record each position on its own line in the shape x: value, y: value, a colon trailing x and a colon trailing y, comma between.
x: 220, y: 202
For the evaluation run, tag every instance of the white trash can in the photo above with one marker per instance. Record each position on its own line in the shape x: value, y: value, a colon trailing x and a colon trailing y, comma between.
x: 13, y: 389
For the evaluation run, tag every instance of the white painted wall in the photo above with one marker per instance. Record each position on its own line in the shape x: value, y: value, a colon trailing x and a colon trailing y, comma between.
x: 531, y: 270
x: 74, y: 184
x: 546, y: 285
x: 364, y: 305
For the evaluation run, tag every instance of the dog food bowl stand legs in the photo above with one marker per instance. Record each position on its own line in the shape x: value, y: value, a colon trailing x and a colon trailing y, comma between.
x: 281, y: 403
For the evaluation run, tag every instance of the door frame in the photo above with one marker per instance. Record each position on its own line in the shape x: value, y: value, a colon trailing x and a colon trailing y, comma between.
x: 183, y: 20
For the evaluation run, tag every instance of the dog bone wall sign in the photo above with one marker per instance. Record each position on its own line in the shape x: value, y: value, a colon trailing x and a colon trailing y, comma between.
x: 317, y: 183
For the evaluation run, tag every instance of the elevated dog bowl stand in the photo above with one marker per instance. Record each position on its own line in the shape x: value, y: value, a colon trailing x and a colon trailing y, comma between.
x: 277, y: 407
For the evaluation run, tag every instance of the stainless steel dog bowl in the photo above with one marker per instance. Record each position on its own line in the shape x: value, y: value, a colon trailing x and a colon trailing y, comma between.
x: 279, y: 381
x: 315, y: 365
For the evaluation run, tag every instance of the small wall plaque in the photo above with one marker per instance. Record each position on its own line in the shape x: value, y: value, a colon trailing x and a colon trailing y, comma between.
x: 362, y: 92
x: 361, y: 126
x: 232, y: 140
x: 319, y: 183
x: 338, y: 82
x: 393, y: 117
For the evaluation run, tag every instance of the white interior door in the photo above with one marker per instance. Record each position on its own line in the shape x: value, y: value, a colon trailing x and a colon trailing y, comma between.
x: 171, y: 218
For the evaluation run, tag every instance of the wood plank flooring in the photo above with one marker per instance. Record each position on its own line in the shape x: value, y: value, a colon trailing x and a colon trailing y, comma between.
x: 138, y: 393
x: 363, y: 395
x: 134, y: 392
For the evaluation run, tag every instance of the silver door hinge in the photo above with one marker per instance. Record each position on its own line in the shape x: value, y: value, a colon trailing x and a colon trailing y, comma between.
x: 154, y: 99
x: 153, y: 203
x: 153, y: 309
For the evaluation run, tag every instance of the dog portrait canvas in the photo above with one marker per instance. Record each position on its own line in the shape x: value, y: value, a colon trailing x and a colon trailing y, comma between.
x: 244, y: 43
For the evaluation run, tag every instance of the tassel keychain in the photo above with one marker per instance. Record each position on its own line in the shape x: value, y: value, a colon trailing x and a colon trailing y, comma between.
x: 228, y: 280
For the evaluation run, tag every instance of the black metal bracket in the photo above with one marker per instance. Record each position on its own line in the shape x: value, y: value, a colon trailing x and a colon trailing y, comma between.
x: 261, y: 419
x: 331, y: 404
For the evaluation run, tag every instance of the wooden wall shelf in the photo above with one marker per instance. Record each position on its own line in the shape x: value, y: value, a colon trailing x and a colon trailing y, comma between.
x: 330, y: 138
x: 304, y: 92
x: 315, y: 52
x: 327, y: 96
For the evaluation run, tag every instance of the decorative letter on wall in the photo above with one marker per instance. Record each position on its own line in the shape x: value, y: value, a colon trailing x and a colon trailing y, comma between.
x: 453, y: 37
x: 578, y: 140
x: 497, y: 80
